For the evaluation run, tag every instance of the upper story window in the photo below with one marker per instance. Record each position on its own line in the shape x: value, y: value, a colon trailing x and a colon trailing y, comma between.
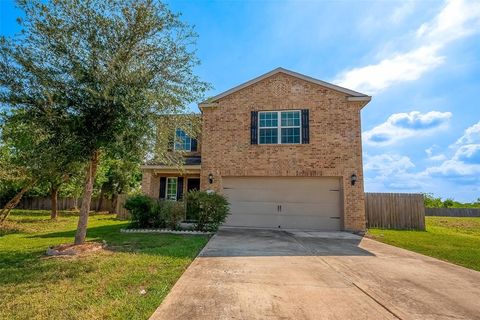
x: 279, y: 127
x: 182, y: 141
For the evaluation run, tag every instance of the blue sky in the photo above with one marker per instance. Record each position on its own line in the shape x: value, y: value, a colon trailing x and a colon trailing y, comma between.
x: 419, y: 60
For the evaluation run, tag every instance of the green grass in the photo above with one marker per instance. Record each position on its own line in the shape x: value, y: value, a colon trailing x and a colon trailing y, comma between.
x: 103, y: 285
x: 456, y: 240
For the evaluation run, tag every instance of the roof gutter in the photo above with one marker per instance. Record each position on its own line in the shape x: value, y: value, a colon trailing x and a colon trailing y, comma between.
x: 362, y: 98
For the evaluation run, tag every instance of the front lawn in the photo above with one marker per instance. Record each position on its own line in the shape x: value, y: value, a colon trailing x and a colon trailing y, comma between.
x: 456, y: 240
x: 105, y: 285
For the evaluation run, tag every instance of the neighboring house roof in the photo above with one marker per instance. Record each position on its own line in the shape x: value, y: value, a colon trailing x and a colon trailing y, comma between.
x: 352, y: 95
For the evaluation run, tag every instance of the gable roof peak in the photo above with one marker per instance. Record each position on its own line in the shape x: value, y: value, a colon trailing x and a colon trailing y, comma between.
x: 352, y: 95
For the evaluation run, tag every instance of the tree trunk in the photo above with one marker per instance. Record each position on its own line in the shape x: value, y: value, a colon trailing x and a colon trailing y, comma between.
x: 87, y: 199
x: 14, y: 201
x: 54, y: 198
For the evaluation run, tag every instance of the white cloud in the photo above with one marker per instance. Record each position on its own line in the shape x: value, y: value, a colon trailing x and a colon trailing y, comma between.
x: 391, y: 172
x: 465, y: 162
x: 401, y: 12
x: 457, y: 175
x: 434, y: 157
x: 401, y: 67
x: 455, y: 169
x: 457, y: 19
x: 387, y: 164
x: 400, y: 126
x: 471, y: 135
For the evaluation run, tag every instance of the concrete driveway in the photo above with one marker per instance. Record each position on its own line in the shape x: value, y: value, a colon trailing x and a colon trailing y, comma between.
x: 258, y: 274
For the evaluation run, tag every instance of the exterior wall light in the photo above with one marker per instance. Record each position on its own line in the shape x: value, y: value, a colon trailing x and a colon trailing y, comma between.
x: 210, y: 178
x: 353, y: 179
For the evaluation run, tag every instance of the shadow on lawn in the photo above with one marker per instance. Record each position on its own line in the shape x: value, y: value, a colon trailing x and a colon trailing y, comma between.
x: 155, y: 244
x: 17, y: 267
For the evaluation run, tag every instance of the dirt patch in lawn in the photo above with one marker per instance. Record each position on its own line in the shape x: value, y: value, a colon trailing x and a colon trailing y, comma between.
x: 75, y: 250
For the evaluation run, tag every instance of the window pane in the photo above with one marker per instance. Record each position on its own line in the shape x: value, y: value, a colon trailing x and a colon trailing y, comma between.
x: 268, y: 119
x: 182, y: 141
x: 290, y: 118
x: 171, y: 189
x: 290, y: 135
x: 267, y: 136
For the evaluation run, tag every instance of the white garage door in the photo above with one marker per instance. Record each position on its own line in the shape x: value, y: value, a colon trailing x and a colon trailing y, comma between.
x: 284, y: 202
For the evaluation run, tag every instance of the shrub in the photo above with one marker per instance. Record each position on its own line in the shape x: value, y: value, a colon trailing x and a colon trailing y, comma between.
x: 208, y: 209
x: 144, y: 212
x: 173, y: 213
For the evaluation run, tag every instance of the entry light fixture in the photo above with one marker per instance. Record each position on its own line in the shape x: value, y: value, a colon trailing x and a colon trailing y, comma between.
x: 353, y: 179
x: 210, y: 178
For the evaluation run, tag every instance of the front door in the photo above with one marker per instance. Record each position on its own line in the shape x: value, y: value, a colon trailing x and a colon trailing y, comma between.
x: 193, y: 184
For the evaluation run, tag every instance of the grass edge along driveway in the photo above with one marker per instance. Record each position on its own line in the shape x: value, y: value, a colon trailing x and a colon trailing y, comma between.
x: 106, y: 285
x: 452, y: 239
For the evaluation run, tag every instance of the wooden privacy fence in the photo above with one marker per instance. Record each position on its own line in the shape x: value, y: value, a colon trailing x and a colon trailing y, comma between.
x: 395, y: 211
x: 121, y: 212
x: 45, y: 203
x: 452, y: 212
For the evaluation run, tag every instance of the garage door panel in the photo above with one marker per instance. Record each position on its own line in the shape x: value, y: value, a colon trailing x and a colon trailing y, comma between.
x: 254, y: 194
x: 288, y: 202
x: 306, y: 222
x: 253, y: 220
x: 313, y: 209
x: 246, y: 207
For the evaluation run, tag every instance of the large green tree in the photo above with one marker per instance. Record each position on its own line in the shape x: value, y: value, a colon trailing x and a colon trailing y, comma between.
x: 34, y: 156
x: 107, y: 70
x: 116, y: 177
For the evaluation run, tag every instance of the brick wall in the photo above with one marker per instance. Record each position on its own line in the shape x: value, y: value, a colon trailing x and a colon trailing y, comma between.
x: 150, y: 183
x: 335, y: 139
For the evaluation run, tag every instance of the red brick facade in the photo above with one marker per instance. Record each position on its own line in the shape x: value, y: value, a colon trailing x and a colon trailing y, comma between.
x: 335, y: 147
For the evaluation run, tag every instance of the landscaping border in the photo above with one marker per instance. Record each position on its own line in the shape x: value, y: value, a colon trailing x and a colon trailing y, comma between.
x: 186, y: 232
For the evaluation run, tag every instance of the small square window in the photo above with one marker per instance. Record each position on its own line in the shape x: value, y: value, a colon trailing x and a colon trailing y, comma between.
x: 268, y: 136
x: 290, y: 119
x: 268, y: 119
x: 290, y: 135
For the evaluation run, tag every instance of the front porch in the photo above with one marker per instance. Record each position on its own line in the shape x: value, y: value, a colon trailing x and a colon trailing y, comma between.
x: 170, y: 183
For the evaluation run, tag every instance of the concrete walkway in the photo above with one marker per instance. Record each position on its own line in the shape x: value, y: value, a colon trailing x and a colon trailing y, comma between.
x: 258, y: 274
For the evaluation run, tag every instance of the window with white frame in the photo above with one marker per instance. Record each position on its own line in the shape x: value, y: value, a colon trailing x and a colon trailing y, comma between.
x: 171, y: 192
x: 279, y: 127
x: 182, y: 141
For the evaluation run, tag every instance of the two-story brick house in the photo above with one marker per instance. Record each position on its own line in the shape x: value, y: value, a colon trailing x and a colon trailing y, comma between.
x: 284, y: 148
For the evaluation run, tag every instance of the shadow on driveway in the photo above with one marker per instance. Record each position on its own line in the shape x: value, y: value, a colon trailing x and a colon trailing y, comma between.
x: 233, y: 242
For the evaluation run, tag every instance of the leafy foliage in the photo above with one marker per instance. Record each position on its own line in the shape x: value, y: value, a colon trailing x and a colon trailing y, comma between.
x: 99, y: 73
x: 436, y: 202
x: 146, y: 212
x: 172, y: 212
x: 209, y: 210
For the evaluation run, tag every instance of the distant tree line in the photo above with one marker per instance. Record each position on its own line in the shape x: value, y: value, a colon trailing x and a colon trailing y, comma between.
x: 436, y: 202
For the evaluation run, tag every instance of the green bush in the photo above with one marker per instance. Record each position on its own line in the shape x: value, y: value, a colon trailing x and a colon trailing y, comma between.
x: 173, y: 213
x: 209, y: 210
x: 144, y: 212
